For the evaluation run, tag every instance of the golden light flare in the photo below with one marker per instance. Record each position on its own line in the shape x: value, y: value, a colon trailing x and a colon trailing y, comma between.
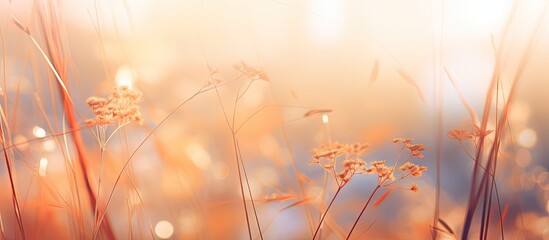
x: 325, y: 118
x: 164, y: 229
x: 125, y: 76
x: 38, y: 132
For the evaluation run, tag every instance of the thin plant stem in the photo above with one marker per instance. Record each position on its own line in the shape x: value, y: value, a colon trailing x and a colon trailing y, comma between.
x: 362, y: 212
x: 102, y: 155
x: 16, y: 205
x: 140, y: 145
x: 242, y: 187
x: 249, y: 191
x: 326, y: 212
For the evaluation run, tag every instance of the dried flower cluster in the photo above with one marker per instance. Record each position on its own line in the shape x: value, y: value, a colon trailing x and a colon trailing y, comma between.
x: 251, y: 72
x: 326, y: 156
x: 461, y: 134
x: 415, y: 149
x: 351, y: 167
x: 411, y: 169
x: 120, y: 107
x: 213, y: 80
x: 383, y: 171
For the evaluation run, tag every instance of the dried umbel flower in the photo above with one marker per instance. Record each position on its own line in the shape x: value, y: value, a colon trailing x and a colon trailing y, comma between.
x: 383, y: 171
x: 412, y: 169
x: 326, y: 156
x: 350, y: 168
x: 461, y: 134
x: 415, y: 149
x: 326, y: 151
x: 120, y: 107
x: 251, y: 72
x: 478, y: 132
x: 357, y: 148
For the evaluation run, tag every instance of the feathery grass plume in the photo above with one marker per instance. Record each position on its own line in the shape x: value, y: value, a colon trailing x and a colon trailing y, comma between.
x: 120, y: 107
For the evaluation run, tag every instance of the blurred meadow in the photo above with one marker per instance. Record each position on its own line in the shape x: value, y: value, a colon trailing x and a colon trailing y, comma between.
x: 274, y: 119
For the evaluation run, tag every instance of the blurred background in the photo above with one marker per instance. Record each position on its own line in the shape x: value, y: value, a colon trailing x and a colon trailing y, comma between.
x: 382, y: 68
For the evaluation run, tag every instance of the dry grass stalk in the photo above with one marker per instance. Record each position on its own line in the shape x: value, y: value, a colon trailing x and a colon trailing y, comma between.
x: 56, y: 60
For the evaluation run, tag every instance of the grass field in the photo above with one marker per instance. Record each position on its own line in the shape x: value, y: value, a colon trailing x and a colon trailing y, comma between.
x: 319, y: 119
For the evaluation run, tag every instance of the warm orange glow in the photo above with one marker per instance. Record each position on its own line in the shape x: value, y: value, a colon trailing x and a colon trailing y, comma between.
x: 198, y: 155
x: 281, y: 119
x: 125, y: 77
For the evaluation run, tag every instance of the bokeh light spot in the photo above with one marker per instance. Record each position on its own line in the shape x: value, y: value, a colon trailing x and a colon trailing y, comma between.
x: 527, y: 138
x: 163, y: 229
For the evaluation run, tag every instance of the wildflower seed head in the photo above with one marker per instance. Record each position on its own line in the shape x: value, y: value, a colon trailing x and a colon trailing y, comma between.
x: 383, y: 171
x: 415, y: 149
x: 478, y: 132
x: 251, y: 73
x: 412, y: 169
x: 459, y: 134
x: 120, y: 107
x: 326, y: 156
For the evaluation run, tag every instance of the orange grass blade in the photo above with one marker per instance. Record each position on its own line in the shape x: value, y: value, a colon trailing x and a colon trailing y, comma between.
x: 50, y: 64
x: 276, y: 197
x: 383, y: 197
x: 300, y: 202
x: 504, y: 213
x: 406, y: 76
x: 466, y: 104
x: 375, y: 72
x: 2, y: 226
x: 316, y: 112
x: 302, y: 178
x: 447, y: 227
